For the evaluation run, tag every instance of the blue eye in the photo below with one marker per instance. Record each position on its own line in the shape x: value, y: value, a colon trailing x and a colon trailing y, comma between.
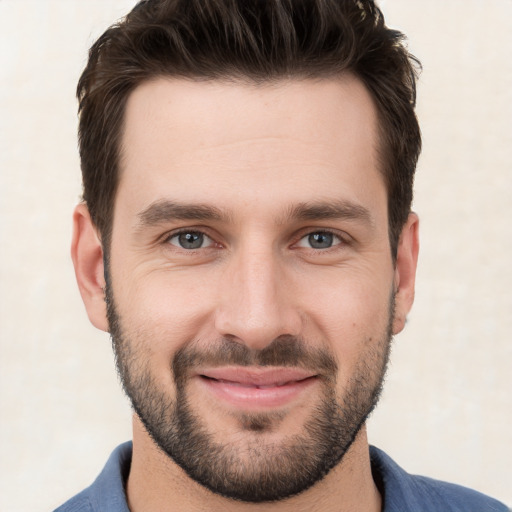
x: 190, y: 240
x: 319, y: 240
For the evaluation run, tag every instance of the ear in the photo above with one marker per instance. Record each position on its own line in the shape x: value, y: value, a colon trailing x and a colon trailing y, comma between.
x: 87, y: 256
x: 405, y: 271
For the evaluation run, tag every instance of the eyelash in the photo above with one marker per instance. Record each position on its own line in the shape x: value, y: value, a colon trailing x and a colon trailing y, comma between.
x: 341, y: 239
x: 167, y: 239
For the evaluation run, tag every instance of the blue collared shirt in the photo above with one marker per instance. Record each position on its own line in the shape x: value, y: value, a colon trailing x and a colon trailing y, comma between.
x: 400, y: 491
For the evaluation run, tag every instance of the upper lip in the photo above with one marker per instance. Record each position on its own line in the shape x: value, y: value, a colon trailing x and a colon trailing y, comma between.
x: 257, y: 376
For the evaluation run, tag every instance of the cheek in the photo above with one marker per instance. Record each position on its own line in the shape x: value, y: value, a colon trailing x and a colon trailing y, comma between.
x: 350, y: 312
x: 158, y: 317
x: 171, y: 309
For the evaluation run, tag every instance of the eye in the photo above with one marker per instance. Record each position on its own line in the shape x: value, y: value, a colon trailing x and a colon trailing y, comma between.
x: 319, y: 240
x: 190, y: 240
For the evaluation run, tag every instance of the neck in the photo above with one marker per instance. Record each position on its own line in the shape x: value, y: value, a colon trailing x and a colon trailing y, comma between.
x: 156, y: 483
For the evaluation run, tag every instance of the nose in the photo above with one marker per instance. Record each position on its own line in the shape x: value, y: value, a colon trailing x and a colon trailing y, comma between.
x: 256, y: 303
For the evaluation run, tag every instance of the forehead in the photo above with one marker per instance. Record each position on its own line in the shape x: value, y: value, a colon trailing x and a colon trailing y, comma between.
x: 297, y: 140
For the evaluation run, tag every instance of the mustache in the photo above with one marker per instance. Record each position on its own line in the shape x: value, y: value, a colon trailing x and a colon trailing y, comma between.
x: 284, y: 351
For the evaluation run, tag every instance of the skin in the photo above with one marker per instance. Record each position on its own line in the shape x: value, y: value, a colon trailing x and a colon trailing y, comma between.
x: 256, y: 154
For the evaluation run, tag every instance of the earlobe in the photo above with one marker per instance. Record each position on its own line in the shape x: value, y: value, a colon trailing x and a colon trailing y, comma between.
x: 87, y: 256
x: 405, y: 271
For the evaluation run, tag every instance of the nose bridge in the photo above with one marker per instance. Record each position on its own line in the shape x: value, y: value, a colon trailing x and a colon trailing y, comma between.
x: 255, y: 307
x: 258, y: 286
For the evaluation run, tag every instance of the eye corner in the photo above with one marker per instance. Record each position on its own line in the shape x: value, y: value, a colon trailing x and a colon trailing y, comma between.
x: 320, y: 240
x: 189, y: 240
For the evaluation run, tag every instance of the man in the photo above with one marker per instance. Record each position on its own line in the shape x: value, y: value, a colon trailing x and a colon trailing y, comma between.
x: 246, y: 237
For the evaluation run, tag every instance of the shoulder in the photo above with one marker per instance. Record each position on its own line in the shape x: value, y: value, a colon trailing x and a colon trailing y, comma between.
x: 79, y: 503
x: 107, y: 491
x: 456, y: 497
x: 404, y: 492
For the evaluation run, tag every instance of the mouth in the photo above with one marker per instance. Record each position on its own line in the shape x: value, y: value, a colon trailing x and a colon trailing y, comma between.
x: 256, y: 388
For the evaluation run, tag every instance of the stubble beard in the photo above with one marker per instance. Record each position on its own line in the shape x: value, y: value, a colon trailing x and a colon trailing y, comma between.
x: 252, y: 469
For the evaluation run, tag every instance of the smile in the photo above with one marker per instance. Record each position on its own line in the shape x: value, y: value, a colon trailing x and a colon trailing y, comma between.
x: 256, y: 388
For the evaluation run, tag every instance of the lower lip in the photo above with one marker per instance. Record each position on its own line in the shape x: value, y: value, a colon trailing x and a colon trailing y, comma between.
x: 252, y: 397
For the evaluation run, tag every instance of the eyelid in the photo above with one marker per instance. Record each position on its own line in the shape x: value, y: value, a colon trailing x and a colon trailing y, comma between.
x: 166, y: 238
x: 344, y: 238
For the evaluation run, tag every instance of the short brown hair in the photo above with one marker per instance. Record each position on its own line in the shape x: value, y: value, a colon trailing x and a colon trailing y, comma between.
x: 255, y: 40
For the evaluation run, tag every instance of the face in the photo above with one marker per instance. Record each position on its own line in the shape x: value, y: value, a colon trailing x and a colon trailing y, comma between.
x: 252, y: 293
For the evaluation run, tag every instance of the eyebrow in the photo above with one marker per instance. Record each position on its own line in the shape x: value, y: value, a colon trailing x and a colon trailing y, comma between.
x: 165, y: 211
x: 325, y: 210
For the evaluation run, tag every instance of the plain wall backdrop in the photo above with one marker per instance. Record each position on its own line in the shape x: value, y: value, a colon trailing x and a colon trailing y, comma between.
x: 447, y: 407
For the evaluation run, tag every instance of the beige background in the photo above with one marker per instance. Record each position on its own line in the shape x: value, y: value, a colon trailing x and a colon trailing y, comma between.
x: 447, y: 409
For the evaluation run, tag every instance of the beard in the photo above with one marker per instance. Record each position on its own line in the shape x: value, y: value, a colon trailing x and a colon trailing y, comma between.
x: 250, y: 468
